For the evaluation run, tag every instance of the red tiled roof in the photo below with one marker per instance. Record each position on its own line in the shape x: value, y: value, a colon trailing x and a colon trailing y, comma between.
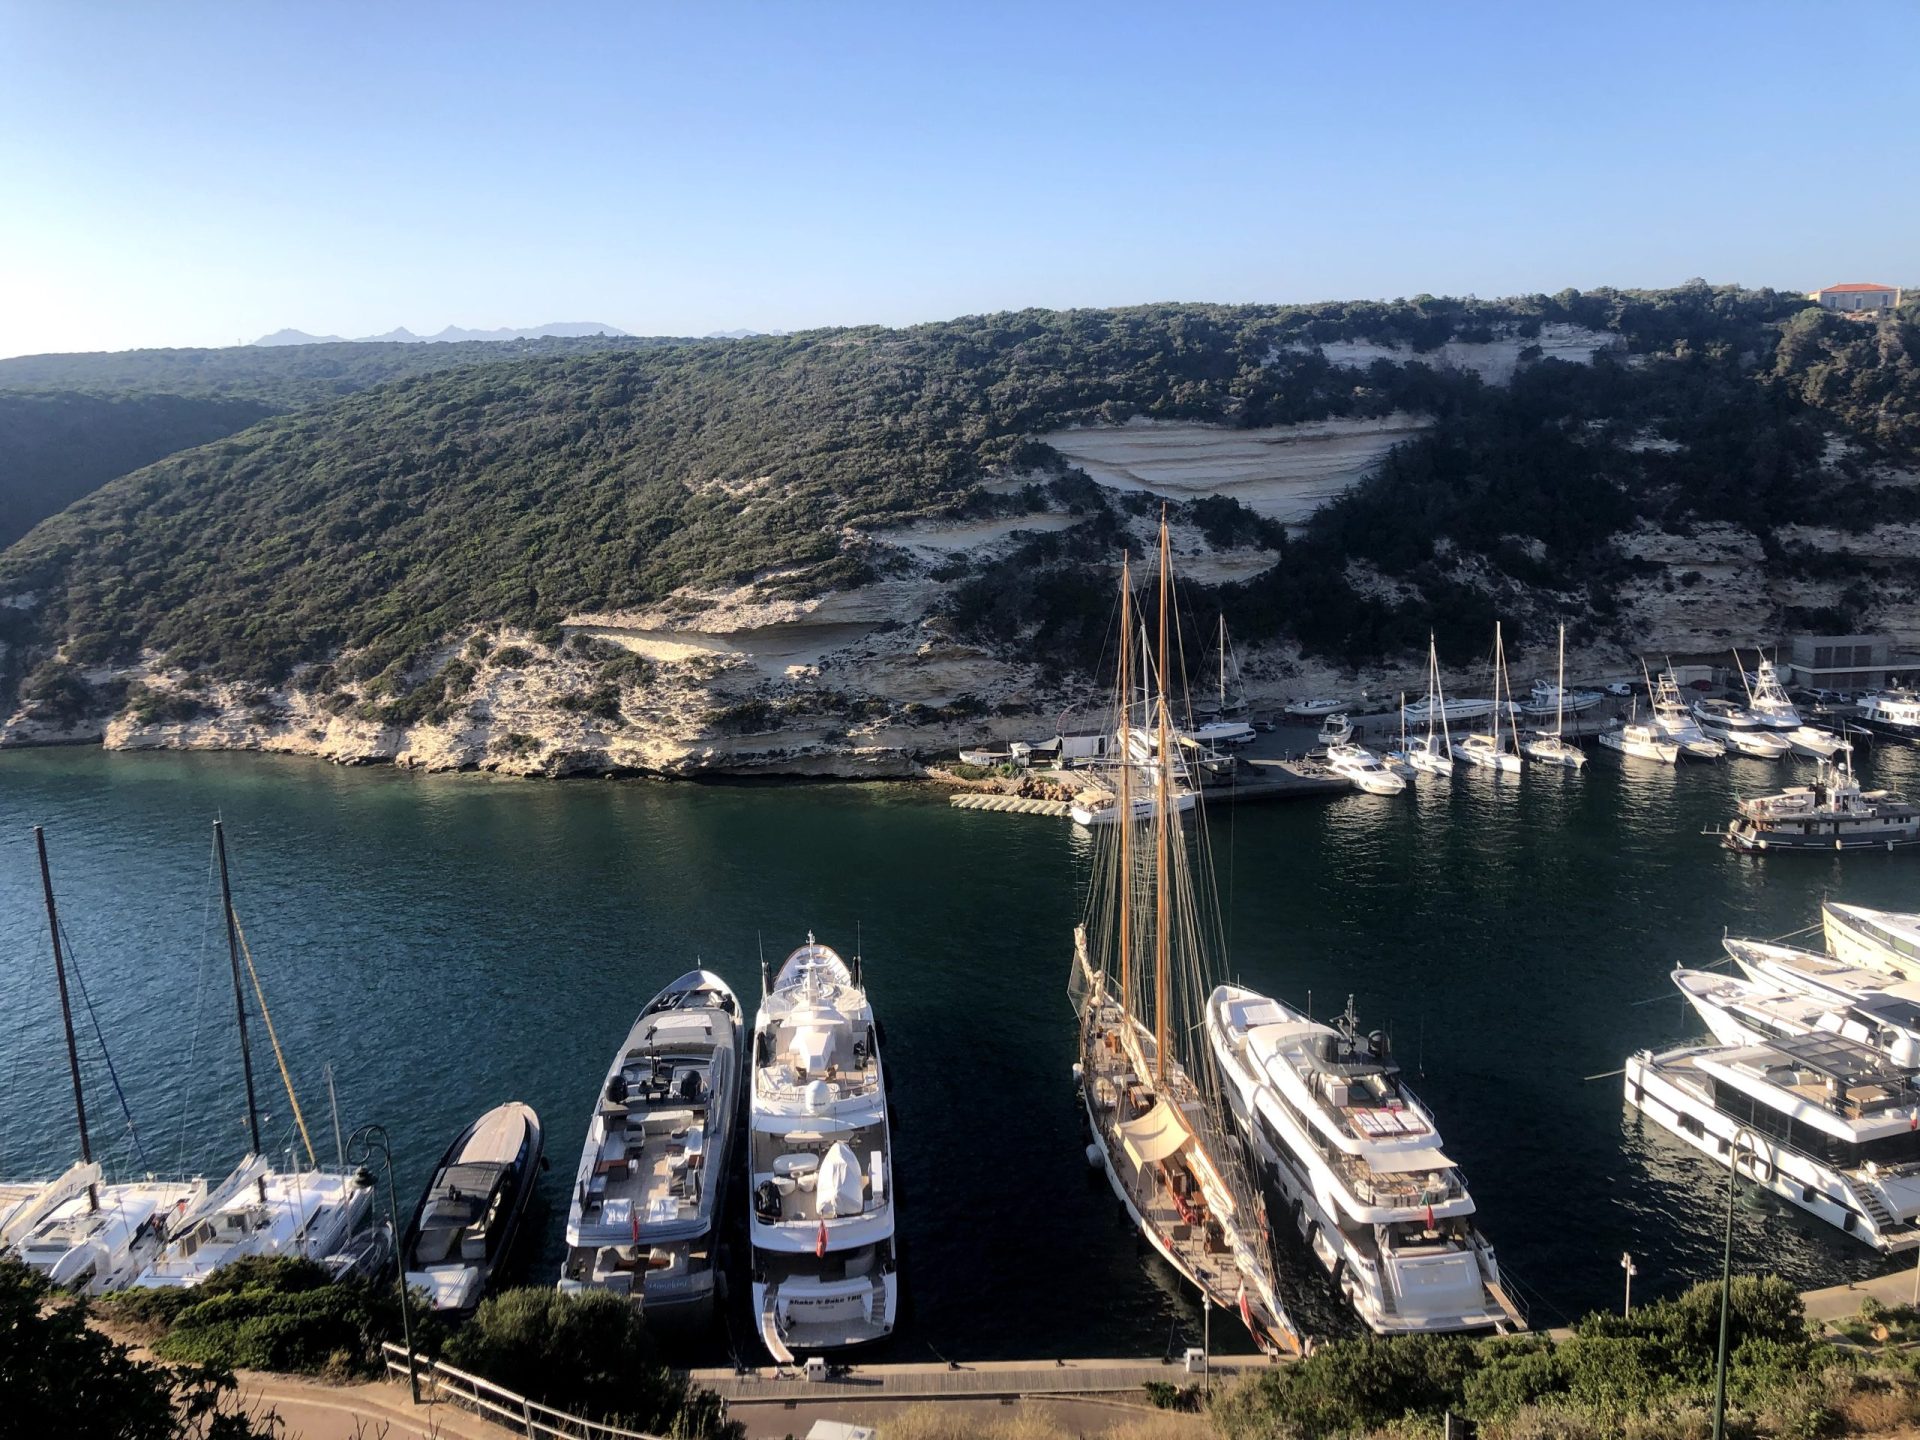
x: 1830, y: 289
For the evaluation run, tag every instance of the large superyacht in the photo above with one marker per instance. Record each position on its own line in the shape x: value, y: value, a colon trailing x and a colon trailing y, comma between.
x: 644, y: 1218
x: 820, y: 1162
x: 1358, y: 1160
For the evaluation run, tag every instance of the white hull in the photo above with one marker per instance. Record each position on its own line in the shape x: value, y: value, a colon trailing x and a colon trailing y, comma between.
x: 1364, y: 769
x: 1860, y: 936
x: 100, y: 1251
x: 1314, y: 709
x: 1438, y: 1288
x: 1547, y: 750
x: 1452, y: 710
x: 1223, y: 732
x: 1144, y: 808
x: 1755, y: 744
x: 1432, y: 763
x: 1814, y: 743
x: 1483, y: 756
x: 1642, y: 748
x: 1846, y: 1200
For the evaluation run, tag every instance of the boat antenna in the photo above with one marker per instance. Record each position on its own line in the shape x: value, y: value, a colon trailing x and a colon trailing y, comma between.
x: 856, y: 953
x: 1741, y: 671
x: 66, y: 1014
x: 766, y: 979
x: 333, y: 1102
x: 239, y: 995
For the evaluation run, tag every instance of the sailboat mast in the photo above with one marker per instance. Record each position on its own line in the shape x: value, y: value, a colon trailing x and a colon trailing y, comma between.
x: 1162, y: 830
x: 1499, y: 667
x: 1123, y: 799
x: 239, y: 995
x: 66, y: 1013
x: 1560, y: 691
x: 1223, y: 663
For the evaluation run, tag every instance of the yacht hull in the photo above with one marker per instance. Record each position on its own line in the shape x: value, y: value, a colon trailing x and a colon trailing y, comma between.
x: 509, y: 1135
x: 1792, y: 1177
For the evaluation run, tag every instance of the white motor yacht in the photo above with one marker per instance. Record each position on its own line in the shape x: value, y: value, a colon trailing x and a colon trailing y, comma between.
x: 644, y: 1219
x: 1824, y: 1122
x: 1885, y: 940
x: 820, y: 1162
x: 1739, y: 731
x: 1365, y: 769
x: 1892, y: 713
x: 1743, y: 1011
x: 1675, y: 721
x: 1315, y: 709
x: 1454, y: 712
x: 1335, y: 730
x: 1550, y: 697
x: 1825, y: 977
x: 1358, y: 1161
x: 1767, y: 699
x: 1642, y: 742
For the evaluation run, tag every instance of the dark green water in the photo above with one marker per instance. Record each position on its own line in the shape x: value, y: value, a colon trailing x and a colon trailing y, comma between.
x: 449, y: 942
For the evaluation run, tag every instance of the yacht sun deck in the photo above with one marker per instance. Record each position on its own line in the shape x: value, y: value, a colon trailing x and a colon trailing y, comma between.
x: 1823, y: 1121
x: 1361, y: 1164
x: 820, y: 1163
x: 652, y: 1174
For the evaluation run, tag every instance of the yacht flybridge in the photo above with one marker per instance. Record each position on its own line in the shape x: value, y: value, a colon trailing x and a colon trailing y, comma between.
x: 1769, y: 705
x: 1824, y: 1122
x: 1491, y: 751
x: 1885, y: 940
x: 1359, y: 1163
x: 1675, y: 722
x: 1156, y: 1114
x: 820, y: 1162
x: 644, y: 1218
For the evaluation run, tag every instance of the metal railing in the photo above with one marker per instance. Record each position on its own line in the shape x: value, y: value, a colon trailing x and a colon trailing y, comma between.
x: 493, y: 1402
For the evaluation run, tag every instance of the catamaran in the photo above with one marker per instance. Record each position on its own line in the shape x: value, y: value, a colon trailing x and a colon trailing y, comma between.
x: 820, y: 1162
x: 79, y: 1232
x: 1154, y: 1101
x: 648, y: 1197
x: 1556, y: 749
x: 1358, y: 1161
x: 1430, y: 752
x: 1492, y: 751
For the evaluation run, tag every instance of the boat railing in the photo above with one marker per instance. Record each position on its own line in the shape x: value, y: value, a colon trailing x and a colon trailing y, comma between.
x: 504, y: 1407
x: 1400, y: 1189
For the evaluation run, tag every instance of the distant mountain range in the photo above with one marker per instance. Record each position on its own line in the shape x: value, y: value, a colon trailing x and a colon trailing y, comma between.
x: 570, y: 329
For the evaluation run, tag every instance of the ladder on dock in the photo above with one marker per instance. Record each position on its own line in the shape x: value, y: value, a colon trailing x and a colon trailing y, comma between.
x: 1012, y: 805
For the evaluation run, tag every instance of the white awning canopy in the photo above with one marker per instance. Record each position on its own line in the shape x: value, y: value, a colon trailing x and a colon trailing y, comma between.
x: 1400, y: 1162
x: 1155, y: 1135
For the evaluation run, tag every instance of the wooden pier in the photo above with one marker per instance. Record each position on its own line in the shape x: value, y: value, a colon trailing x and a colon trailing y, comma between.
x: 1011, y: 804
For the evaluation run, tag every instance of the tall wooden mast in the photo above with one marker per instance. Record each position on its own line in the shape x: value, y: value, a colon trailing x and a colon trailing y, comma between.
x: 1123, y: 812
x: 1162, y: 830
x: 239, y: 996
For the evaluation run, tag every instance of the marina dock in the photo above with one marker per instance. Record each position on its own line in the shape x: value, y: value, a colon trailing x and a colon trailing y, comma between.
x: 982, y: 1380
x: 1010, y: 804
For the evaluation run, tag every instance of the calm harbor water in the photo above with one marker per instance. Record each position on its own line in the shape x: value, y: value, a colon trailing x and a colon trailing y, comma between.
x: 449, y: 942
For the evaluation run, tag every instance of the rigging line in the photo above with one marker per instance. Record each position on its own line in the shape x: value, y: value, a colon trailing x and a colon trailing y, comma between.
x: 285, y: 1078
x: 113, y: 1073
x: 199, y: 1011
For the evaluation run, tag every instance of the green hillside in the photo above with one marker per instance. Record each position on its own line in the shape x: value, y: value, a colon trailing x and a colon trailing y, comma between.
x: 521, y: 491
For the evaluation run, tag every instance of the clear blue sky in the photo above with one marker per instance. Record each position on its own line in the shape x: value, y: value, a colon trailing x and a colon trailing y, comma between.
x: 194, y: 174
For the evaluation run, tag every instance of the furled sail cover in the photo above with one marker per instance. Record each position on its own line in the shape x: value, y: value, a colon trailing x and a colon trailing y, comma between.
x: 1155, y: 1135
x: 838, y: 1187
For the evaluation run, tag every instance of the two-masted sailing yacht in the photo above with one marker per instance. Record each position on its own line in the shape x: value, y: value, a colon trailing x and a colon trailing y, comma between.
x: 1492, y: 751
x: 1141, y: 972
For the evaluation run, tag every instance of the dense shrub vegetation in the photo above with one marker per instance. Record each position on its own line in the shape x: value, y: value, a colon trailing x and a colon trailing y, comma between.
x: 589, y: 1355
x: 521, y: 490
x: 60, y: 1377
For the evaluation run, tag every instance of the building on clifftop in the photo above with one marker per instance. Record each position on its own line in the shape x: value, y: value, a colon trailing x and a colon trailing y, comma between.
x: 1864, y: 300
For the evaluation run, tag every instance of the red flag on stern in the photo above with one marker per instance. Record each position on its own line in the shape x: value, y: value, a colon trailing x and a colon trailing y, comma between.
x: 1246, y: 1310
x: 820, y: 1241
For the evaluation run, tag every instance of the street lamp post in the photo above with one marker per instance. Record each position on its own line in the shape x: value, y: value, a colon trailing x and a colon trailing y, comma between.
x: 1626, y: 1264
x: 362, y: 1145
x: 1726, y: 1279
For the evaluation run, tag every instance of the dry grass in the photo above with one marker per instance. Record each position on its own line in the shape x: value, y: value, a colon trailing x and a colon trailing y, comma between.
x: 1034, y: 1422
